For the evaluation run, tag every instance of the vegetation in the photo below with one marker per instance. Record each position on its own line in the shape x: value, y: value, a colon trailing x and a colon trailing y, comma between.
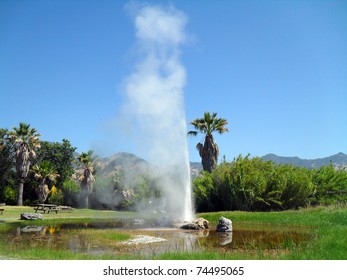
x: 325, y: 227
x: 45, y: 173
x: 208, y: 150
x: 53, y: 172
x: 85, y: 175
x: 58, y: 175
x: 29, y: 168
x: 32, y: 171
x: 25, y: 141
x: 251, y: 184
x: 118, y: 192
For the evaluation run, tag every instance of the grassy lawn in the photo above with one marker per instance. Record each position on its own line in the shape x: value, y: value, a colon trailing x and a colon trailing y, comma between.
x: 327, y: 227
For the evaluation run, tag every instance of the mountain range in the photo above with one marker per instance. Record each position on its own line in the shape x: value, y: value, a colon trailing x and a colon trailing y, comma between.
x: 134, y: 164
x: 338, y: 161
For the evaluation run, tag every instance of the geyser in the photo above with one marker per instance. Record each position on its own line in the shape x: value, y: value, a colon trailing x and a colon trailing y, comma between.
x: 155, y: 105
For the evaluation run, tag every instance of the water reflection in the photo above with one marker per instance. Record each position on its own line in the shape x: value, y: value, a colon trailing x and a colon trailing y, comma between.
x: 225, y: 238
x: 87, y: 238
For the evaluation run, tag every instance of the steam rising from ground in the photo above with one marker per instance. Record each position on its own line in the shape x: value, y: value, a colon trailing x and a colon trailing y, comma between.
x: 155, y: 105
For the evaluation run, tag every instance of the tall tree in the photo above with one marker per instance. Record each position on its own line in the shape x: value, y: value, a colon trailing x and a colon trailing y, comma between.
x: 86, y: 178
x: 61, y: 156
x: 45, y: 174
x: 208, y: 150
x: 6, y: 155
x: 26, y: 141
x: 7, y: 173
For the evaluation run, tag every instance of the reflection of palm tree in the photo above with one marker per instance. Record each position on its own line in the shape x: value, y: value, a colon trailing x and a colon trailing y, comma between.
x: 26, y: 141
x: 209, y: 150
x: 87, y: 179
x: 44, y: 173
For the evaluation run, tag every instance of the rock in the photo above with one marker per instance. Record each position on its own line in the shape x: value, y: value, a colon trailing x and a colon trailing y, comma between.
x: 197, y: 224
x: 224, y: 225
x: 202, y: 223
x: 31, y: 216
x: 190, y: 226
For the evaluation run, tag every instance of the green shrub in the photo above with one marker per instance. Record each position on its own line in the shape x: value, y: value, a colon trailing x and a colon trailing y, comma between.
x: 251, y: 184
x: 330, y: 186
x: 9, y: 195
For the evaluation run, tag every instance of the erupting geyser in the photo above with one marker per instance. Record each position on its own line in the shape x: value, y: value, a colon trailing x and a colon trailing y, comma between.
x: 155, y: 103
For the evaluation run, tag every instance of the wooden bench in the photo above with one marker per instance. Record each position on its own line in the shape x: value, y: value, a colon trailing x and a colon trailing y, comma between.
x: 2, y: 211
x: 55, y: 209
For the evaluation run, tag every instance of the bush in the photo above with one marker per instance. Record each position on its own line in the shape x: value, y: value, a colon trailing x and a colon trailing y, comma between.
x: 330, y: 186
x: 298, y: 188
x: 70, y: 192
x: 55, y: 196
x: 9, y: 195
x: 251, y: 184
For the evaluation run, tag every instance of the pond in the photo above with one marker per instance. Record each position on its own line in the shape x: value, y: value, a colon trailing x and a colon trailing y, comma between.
x: 143, y: 240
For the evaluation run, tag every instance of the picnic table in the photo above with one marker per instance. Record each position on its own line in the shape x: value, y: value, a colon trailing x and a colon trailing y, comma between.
x: 46, y: 208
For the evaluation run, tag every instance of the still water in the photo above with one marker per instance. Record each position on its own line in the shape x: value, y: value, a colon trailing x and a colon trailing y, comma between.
x: 147, y: 241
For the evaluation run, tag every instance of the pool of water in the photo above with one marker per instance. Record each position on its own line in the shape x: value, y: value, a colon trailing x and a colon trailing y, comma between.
x: 147, y: 241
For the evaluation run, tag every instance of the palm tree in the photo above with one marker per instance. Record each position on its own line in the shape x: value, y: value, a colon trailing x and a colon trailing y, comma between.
x: 86, y: 178
x: 208, y: 150
x: 44, y: 172
x: 26, y: 141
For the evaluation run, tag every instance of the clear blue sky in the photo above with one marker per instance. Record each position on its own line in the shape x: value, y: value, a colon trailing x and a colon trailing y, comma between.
x: 276, y: 70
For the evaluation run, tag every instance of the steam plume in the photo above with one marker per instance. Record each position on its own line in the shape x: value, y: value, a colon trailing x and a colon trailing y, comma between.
x: 154, y: 101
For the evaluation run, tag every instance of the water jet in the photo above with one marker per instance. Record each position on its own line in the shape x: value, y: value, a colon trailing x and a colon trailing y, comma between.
x: 155, y: 103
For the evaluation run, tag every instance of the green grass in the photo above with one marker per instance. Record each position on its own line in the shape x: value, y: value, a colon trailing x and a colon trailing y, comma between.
x: 13, y: 213
x: 327, y: 227
x: 318, y: 216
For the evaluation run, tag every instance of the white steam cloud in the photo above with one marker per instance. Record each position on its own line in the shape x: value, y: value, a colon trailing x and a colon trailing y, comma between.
x: 155, y: 105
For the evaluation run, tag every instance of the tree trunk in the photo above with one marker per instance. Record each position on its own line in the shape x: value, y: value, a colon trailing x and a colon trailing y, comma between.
x: 20, y: 192
x: 86, y: 200
x: 42, y: 192
x: 209, y: 154
x: 87, y: 186
x: 86, y: 192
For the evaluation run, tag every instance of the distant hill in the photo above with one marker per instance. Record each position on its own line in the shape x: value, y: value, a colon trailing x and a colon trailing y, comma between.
x: 107, y: 166
x: 338, y: 161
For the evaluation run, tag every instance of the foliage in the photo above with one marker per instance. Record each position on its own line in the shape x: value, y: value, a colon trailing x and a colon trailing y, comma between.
x: 70, y: 191
x: 251, y: 184
x: 248, y: 184
x: 85, y: 171
x: 25, y: 141
x: 9, y: 195
x: 61, y: 156
x: 208, y: 150
x: 46, y: 175
x: 55, y: 196
x: 8, y: 179
x: 121, y: 193
x: 330, y: 185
